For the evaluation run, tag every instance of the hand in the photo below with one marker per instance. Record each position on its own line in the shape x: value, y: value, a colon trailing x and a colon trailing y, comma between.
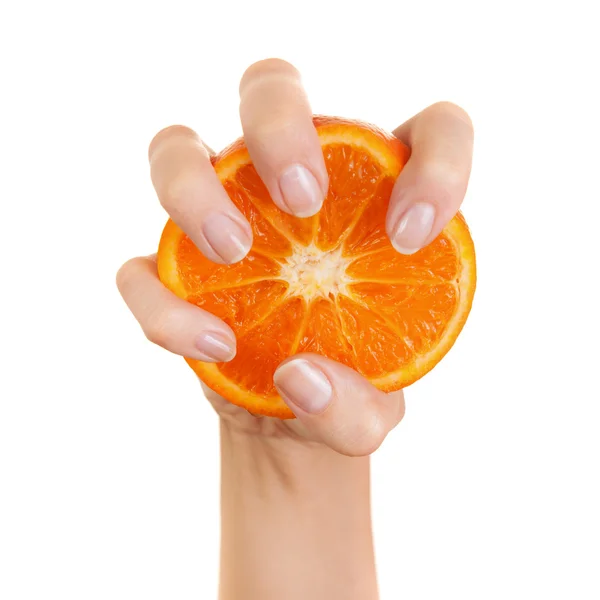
x: 333, y: 404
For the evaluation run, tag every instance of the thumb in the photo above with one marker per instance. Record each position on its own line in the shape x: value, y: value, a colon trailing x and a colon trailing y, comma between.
x: 336, y: 405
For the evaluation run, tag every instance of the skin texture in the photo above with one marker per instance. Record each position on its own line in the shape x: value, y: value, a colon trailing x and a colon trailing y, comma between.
x: 281, y: 480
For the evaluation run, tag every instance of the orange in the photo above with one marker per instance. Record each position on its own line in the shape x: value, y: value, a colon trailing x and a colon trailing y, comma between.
x: 330, y: 284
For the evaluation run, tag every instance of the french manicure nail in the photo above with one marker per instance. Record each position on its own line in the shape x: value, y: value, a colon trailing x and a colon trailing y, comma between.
x: 214, y: 347
x: 227, y: 238
x: 301, y: 192
x: 413, y: 228
x: 304, y: 385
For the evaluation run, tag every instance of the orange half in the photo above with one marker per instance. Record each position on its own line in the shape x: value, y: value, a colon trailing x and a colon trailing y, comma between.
x: 330, y: 284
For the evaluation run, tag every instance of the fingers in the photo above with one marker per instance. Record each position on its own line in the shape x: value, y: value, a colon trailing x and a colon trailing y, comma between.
x: 281, y: 138
x: 338, y: 406
x: 431, y: 188
x: 170, y: 321
x: 190, y: 191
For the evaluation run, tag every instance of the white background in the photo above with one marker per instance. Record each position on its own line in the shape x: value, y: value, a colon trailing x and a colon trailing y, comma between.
x: 108, y: 452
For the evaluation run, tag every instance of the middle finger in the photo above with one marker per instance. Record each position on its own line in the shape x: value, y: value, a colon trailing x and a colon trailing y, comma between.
x: 281, y: 138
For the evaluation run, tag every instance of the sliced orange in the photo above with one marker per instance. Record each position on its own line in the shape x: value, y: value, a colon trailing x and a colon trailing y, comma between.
x: 331, y: 284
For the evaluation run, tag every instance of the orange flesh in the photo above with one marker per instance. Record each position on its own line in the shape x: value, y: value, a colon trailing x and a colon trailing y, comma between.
x: 330, y: 284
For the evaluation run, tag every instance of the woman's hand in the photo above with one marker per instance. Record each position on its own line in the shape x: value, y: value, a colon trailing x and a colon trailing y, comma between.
x: 333, y: 404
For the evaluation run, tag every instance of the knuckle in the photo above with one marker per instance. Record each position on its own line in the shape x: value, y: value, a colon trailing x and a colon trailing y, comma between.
x: 157, y: 336
x: 280, y: 125
x: 179, y: 195
x: 266, y: 68
x: 366, y: 438
x: 178, y: 171
x: 167, y: 135
x: 162, y: 329
x: 175, y: 190
x: 449, y: 109
x: 445, y: 176
x: 125, y: 273
x: 400, y: 410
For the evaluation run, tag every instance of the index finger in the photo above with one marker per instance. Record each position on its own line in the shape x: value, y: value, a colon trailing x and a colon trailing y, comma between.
x: 190, y: 191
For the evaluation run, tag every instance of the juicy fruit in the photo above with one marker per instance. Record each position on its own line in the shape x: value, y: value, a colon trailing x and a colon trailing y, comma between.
x: 330, y: 284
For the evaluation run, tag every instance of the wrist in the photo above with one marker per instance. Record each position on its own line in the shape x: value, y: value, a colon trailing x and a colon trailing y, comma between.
x: 281, y: 452
x: 300, y: 507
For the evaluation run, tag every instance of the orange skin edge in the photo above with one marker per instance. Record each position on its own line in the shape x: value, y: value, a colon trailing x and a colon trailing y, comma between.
x: 392, y: 155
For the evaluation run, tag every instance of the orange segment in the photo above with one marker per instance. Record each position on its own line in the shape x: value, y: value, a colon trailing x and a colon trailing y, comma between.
x: 353, y: 180
x: 378, y: 349
x: 369, y: 232
x: 419, y: 313
x: 436, y: 261
x: 197, y: 273
x: 331, y: 284
x: 261, y: 349
x: 299, y: 230
x: 240, y: 307
x: 323, y: 333
x: 266, y: 238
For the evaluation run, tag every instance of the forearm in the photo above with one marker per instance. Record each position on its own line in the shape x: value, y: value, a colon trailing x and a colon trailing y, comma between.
x: 295, y: 521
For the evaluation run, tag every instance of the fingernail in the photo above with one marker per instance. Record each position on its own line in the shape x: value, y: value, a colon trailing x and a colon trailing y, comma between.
x: 414, y: 228
x: 227, y: 238
x: 214, y: 347
x: 303, y: 385
x: 301, y: 192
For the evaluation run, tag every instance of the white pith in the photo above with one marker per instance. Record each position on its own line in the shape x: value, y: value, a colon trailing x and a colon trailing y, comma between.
x: 312, y: 273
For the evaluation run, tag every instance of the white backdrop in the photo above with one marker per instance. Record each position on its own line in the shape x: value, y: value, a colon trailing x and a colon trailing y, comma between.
x: 108, y: 452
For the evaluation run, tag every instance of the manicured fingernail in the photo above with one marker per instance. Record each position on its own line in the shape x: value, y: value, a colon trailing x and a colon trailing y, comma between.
x: 304, y: 385
x: 214, y: 347
x: 227, y: 238
x: 301, y: 192
x: 413, y: 228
